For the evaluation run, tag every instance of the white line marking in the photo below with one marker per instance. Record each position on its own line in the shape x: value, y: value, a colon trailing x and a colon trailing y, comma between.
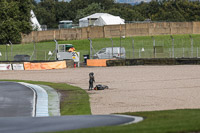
x: 34, y: 98
x: 42, y: 100
x: 136, y: 119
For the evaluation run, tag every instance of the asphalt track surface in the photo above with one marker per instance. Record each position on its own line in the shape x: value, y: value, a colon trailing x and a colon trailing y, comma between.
x: 50, y: 124
x: 16, y: 100
x: 16, y: 107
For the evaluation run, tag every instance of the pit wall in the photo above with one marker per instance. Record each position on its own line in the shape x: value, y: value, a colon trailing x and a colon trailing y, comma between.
x: 133, y: 29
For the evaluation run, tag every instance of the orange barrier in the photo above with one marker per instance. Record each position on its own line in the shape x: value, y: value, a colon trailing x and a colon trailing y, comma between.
x: 45, y: 65
x: 96, y: 62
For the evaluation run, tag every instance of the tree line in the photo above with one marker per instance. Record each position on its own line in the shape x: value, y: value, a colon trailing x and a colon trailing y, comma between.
x: 15, y: 14
x: 50, y: 12
x: 14, y: 20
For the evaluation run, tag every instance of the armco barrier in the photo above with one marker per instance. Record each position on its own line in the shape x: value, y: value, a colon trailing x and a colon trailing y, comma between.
x: 154, y: 61
x: 45, y: 65
x: 97, y: 62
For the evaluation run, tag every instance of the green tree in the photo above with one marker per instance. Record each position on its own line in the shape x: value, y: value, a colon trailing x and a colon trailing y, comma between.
x: 45, y: 13
x: 24, y: 15
x: 90, y: 9
x: 168, y: 12
x: 62, y: 11
x: 126, y: 12
x: 50, y: 12
x: 105, y: 4
x: 143, y: 9
x: 14, y: 20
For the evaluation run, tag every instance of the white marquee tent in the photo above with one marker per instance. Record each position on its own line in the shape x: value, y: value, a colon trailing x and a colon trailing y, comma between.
x: 108, y: 20
x: 34, y: 21
x: 100, y: 19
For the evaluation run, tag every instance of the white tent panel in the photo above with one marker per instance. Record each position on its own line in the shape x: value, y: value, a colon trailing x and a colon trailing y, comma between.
x: 84, y: 22
x: 96, y: 15
x: 108, y: 20
x: 34, y: 21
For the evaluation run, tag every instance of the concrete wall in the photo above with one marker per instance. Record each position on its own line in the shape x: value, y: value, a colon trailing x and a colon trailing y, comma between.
x: 154, y: 61
x: 133, y: 29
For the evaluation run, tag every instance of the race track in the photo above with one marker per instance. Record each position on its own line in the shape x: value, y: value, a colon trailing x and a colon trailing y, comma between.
x: 16, y: 100
x: 50, y: 124
x: 17, y: 107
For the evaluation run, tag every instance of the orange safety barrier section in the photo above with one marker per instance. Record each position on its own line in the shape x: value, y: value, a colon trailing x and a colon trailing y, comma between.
x: 97, y: 62
x: 45, y: 65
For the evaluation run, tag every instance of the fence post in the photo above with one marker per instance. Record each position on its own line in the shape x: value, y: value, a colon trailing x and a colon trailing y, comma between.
x: 139, y: 53
x: 112, y: 46
x: 34, y: 50
x: 45, y: 55
x: 11, y: 49
x: 56, y: 50
x: 154, y: 44
x: 172, y: 46
x: 120, y: 41
x: 6, y: 52
x: 133, y: 48
x: 191, y: 45
x: 90, y: 48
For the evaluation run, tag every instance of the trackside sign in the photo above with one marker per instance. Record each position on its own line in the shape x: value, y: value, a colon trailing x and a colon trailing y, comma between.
x: 5, y: 67
x: 18, y: 66
x: 76, y: 56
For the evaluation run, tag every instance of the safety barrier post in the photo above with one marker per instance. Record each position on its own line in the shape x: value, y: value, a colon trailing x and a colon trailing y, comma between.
x: 112, y: 46
x: 172, y: 46
x: 90, y: 48
x: 191, y: 45
x: 133, y: 47
x: 154, y: 44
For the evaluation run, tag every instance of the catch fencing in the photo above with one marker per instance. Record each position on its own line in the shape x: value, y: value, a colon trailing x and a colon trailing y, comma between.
x: 140, y: 47
x: 151, y: 47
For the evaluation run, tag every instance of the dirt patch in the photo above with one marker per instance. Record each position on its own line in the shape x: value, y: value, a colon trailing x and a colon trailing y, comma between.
x: 131, y: 89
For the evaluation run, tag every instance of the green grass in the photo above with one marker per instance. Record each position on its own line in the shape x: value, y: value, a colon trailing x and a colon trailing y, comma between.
x: 171, y: 121
x: 182, y: 45
x: 74, y: 101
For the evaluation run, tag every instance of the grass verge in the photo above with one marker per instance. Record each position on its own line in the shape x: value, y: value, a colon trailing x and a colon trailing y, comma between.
x: 171, y: 121
x: 74, y: 100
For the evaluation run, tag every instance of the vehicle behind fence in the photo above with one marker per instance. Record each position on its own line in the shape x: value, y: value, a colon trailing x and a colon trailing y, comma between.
x: 152, y: 47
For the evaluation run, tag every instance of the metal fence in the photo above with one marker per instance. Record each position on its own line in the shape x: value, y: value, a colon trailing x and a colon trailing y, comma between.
x: 34, y: 55
x: 151, y: 47
x: 135, y: 48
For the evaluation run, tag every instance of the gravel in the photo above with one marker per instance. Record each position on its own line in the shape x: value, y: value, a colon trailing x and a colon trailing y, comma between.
x: 131, y: 88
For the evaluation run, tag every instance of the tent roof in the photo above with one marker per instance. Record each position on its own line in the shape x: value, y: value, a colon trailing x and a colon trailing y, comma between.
x: 34, y: 21
x: 96, y: 15
x: 111, y: 20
